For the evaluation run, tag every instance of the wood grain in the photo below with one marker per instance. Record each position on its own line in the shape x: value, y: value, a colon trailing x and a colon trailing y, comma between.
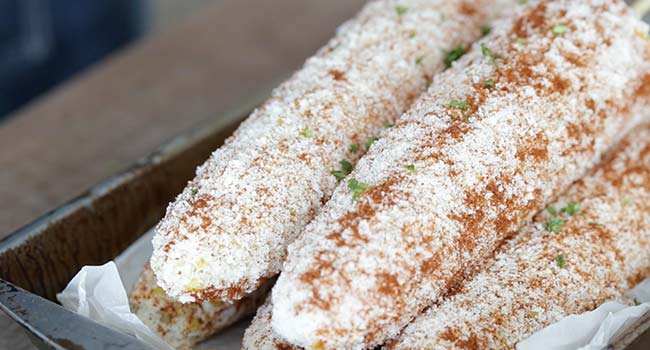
x: 125, y: 107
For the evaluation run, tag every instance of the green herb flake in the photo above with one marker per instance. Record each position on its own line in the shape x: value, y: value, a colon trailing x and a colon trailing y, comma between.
x: 489, y: 54
x: 551, y: 210
x: 357, y: 188
x: 626, y: 201
x: 419, y: 60
x: 485, y: 30
x: 370, y: 142
x: 339, y: 175
x: 595, y: 224
x: 458, y: 104
x: 521, y: 41
x: 388, y: 125
x: 571, y: 208
x: 489, y: 84
x: 411, y: 168
x: 559, y: 260
x: 523, y: 2
x: 401, y: 10
x: 306, y: 132
x: 559, y: 29
x: 554, y: 225
x: 412, y: 34
x: 346, y: 166
x: 354, y: 148
x: 194, y: 191
x: 454, y: 55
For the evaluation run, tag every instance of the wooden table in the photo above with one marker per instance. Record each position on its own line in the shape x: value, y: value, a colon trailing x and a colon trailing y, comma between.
x: 122, y: 109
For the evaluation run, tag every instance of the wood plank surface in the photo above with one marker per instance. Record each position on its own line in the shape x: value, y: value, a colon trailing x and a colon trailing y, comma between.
x: 123, y: 108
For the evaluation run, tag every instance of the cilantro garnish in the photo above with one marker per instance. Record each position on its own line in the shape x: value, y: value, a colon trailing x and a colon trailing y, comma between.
x: 454, y: 55
x: 346, y: 169
x: 419, y: 60
x: 559, y: 29
x: 194, y: 191
x: 458, y: 104
x: 346, y: 166
x: 521, y: 41
x: 401, y: 10
x: 306, y: 132
x: 357, y: 188
x: 554, y: 225
x: 488, y: 53
x: 354, y: 148
x: 411, y: 168
x: 571, y: 208
x: 551, y: 210
x: 559, y: 260
x: 489, y: 83
x: 370, y: 142
x: 485, y: 30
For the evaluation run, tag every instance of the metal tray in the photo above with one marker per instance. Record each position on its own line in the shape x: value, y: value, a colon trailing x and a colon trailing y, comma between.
x: 94, y: 228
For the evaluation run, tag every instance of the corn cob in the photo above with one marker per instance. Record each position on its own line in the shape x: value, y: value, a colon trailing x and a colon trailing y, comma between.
x: 184, y: 325
x: 589, y: 248
x: 509, y: 127
x: 228, y: 230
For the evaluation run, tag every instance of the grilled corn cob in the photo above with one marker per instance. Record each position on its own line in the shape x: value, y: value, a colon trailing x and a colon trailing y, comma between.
x: 509, y: 127
x: 229, y: 229
x: 589, y: 248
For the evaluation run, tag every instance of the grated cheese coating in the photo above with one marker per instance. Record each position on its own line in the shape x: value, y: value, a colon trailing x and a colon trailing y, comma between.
x: 604, y: 248
x: 184, y: 325
x: 485, y: 160
x: 260, y: 336
x: 229, y: 229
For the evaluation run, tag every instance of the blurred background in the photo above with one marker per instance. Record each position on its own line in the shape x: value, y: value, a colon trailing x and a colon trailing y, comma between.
x: 44, y: 42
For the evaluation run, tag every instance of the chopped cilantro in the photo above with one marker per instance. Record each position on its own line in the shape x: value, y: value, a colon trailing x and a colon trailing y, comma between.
x: 488, y: 53
x: 458, y: 104
x: 411, y: 168
x: 419, y: 60
x: 559, y: 260
x: 194, y: 191
x: 489, y: 83
x: 339, y: 175
x: 554, y: 225
x: 370, y: 142
x: 636, y: 302
x: 485, y: 30
x: 346, y: 166
x: 357, y: 188
x: 401, y: 10
x: 306, y: 132
x: 551, y: 210
x: 571, y: 208
x: 354, y: 148
x: 626, y: 201
x: 388, y: 125
x: 346, y: 169
x: 454, y: 55
x: 521, y: 41
x: 596, y: 224
x: 559, y: 29
x: 523, y: 2
x: 412, y: 34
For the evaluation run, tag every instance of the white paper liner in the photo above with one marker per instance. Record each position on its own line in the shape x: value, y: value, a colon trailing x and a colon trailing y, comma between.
x: 593, y: 330
x: 101, y: 295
